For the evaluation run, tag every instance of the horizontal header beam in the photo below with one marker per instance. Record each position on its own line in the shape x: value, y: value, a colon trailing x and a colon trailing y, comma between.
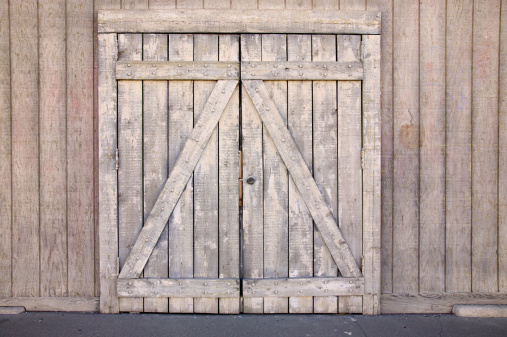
x: 158, y: 70
x: 311, y: 286
x: 297, y: 71
x: 239, y: 21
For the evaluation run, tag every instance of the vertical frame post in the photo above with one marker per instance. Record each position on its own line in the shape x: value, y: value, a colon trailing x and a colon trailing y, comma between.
x: 108, y: 183
x: 371, y: 174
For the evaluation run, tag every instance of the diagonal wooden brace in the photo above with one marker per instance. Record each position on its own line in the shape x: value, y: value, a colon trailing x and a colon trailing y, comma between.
x: 178, y: 179
x: 303, y: 179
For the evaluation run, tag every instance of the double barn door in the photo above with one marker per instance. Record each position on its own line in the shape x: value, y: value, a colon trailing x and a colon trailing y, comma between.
x: 239, y: 172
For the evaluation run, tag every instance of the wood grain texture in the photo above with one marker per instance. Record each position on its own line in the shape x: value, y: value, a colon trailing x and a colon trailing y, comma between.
x: 371, y: 175
x: 201, y: 288
x: 5, y: 155
x: 406, y: 147
x: 303, y: 179
x: 130, y: 159
x: 304, y: 70
x: 189, y: 4
x: 155, y: 148
x: 108, y: 193
x: 458, y: 250
x: 81, y: 165
x: 432, y: 147
x: 276, y: 194
x: 325, y: 160
x: 350, y: 178
x: 326, y: 4
x: 502, y: 152
x: 386, y: 9
x: 298, y: 4
x: 162, y: 4
x: 206, y: 183
x: 300, y: 124
x: 437, y: 303
x: 25, y: 147
x: 181, y: 123
x: 52, y: 165
x: 239, y: 21
x: 78, y: 304
x: 253, y: 219
x: 244, y: 4
x: 194, y: 70
x: 228, y: 174
x: 486, y: 37
x: 300, y: 287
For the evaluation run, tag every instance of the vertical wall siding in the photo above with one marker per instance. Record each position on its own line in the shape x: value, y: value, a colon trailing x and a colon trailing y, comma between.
x: 444, y: 171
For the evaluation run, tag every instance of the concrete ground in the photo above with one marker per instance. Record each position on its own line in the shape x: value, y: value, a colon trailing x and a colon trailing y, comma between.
x: 144, y: 325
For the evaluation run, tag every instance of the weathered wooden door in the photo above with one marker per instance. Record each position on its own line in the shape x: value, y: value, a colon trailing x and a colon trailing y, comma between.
x: 176, y: 111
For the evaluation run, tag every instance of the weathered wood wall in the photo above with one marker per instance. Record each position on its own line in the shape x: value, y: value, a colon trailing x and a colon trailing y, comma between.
x: 444, y: 147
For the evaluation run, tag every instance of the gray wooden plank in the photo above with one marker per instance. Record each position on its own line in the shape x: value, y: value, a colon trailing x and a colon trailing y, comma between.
x: 181, y: 106
x: 271, y: 4
x: 190, y: 4
x: 326, y: 4
x: 228, y: 193
x: 485, y: 65
x: 224, y: 4
x: 162, y: 4
x: 130, y: 160
x: 304, y: 70
x: 303, y: 179
x: 253, y: 219
x: 385, y: 7
x: 371, y: 175
x: 79, y: 304
x: 438, y: 303
x: 189, y: 70
x: 406, y: 147
x: 202, y: 288
x: 349, y: 161
x: 458, y: 250
x: 82, y: 154
x: 155, y: 149
x: 275, y: 178
x: 303, y: 287
x: 52, y: 147
x: 25, y: 147
x: 502, y: 152
x: 177, y: 179
x: 5, y: 155
x: 108, y: 193
x: 299, y: 48
x: 206, y: 183
x: 239, y: 21
x: 432, y: 147
x: 244, y: 4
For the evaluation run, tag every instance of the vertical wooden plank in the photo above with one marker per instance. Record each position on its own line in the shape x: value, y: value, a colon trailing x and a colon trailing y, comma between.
x: 162, y: 4
x: 353, y: 5
x: 349, y: 162
x: 52, y: 129
x: 108, y: 193
x: 206, y: 183
x: 271, y: 4
x: 386, y: 8
x: 301, y: 233
x: 406, y: 147
x: 252, y: 133
x: 458, y: 250
x: 5, y: 154
x: 181, y: 123
x: 130, y: 149
x: 223, y: 4
x: 244, y: 4
x: 326, y: 4
x: 276, y: 198
x: 325, y: 158
x: 432, y: 147
x: 25, y: 148
x: 485, y: 146
x: 228, y: 193
x: 155, y: 159
x: 502, y: 152
x: 298, y: 4
x: 81, y: 215
x: 189, y: 4
x: 132, y: 4
x: 371, y: 174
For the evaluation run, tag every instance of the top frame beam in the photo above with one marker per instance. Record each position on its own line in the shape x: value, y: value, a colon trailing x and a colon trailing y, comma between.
x: 239, y: 21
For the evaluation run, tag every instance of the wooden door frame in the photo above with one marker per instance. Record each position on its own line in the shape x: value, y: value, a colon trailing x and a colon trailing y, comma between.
x: 112, y: 22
